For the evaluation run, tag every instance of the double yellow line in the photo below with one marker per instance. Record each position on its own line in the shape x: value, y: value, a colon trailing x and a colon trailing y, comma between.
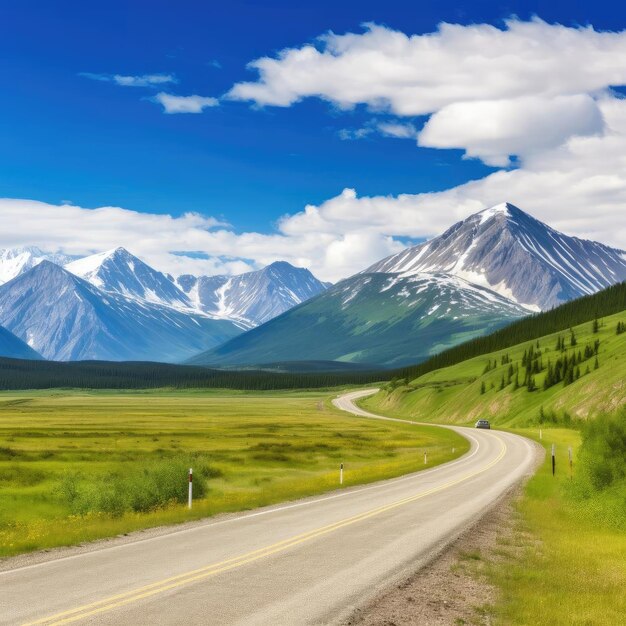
x: 112, y: 602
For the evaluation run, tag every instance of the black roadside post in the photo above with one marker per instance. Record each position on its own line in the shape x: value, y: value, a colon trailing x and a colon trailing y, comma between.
x: 553, y: 460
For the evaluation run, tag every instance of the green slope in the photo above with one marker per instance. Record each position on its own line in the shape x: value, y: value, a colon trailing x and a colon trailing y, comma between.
x: 453, y: 394
x: 380, y: 319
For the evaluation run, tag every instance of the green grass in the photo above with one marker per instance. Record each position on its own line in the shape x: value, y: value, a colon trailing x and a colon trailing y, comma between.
x: 76, y: 466
x: 573, y: 567
x: 453, y: 394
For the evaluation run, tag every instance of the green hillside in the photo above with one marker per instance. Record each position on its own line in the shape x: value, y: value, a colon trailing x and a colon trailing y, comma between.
x: 383, y: 320
x: 559, y: 377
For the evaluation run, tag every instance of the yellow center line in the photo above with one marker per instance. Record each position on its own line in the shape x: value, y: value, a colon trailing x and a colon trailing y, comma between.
x: 107, y: 604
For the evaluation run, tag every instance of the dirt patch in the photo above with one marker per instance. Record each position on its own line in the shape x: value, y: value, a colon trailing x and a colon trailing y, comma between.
x: 453, y: 589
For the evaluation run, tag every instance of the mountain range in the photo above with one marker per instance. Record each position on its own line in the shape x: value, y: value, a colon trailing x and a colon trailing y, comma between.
x: 113, y: 306
x: 485, y: 271
x: 254, y: 297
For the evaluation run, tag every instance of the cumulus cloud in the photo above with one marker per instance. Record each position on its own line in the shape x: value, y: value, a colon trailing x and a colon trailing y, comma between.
x: 493, y: 92
x: 420, y: 74
x: 184, y: 104
x: 145, y: 80
x: 494, y: 129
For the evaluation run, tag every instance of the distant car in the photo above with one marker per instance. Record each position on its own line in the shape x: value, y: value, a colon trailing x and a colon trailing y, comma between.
x: 482, y: 424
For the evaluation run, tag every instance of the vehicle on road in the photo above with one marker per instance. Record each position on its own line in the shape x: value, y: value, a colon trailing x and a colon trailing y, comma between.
x: 483, y: 424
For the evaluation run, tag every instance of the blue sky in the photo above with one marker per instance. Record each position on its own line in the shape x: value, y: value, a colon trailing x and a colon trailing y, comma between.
x: 67, y: 138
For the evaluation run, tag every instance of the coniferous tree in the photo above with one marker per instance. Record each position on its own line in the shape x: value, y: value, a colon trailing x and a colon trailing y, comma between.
x: 482, y: 388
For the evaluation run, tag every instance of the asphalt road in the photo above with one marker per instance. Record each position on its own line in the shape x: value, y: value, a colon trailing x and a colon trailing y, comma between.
x: 309, y: 562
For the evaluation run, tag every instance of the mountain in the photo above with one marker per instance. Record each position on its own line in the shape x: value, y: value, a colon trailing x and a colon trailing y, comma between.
x: 518, y: 256
x: 66, y: 318
x: 14, y: 348
x: 254, y: 297
x: 379, y: 319
x: 118, y: 271
x: 16, y: 261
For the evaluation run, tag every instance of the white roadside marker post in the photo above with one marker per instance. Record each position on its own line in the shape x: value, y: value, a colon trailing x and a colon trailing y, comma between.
x: 190, y: 487
x: 571, y: 468
x: 540, y: 435
x: 425, y: 458
x: 341, y: 474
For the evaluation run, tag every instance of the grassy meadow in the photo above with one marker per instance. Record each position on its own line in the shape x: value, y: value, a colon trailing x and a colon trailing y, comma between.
x: 78, y: 465
x: 572, y: 568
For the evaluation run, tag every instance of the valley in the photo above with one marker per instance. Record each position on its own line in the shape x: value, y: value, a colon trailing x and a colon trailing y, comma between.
x: 77, y: 466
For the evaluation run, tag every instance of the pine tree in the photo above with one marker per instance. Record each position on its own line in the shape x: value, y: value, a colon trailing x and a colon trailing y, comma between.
x: 482, y: 388
x: 596, y: 365
x: 595, y: 326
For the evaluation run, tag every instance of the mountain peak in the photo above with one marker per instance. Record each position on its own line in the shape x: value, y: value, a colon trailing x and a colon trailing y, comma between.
x: 119, y: 271
x: 509, y: 251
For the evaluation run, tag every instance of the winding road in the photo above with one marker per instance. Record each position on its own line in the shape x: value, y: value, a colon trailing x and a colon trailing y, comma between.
x: 309, y: 562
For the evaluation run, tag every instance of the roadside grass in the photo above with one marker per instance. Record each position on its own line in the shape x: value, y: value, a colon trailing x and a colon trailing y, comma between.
x: 572, y: 565
x: 566, y: 561
x: 77, y: 466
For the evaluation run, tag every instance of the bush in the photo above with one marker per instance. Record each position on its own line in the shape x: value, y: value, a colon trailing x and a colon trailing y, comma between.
x: 145, y: 488
x: 602, y: 455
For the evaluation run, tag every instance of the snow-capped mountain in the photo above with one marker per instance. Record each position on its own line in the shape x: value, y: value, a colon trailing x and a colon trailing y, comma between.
x: 118, y: 271
x: 64, y: 317
x: 505, y: 249
x: 378, y: 319
x: 15, y: 261
x: 254, y: 297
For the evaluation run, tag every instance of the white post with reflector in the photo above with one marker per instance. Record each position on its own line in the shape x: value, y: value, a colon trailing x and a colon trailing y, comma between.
x: 341, y: 474
x: 190, y: 487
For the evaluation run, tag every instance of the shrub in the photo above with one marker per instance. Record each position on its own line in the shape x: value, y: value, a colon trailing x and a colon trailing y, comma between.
x: 152, y: 486
x: 602, y: 455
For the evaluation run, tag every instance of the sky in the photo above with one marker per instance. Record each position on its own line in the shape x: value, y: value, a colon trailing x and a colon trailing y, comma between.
x: 220, y: 137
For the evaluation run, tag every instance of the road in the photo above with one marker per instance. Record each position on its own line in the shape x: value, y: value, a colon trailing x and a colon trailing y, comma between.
x: 309, y: 562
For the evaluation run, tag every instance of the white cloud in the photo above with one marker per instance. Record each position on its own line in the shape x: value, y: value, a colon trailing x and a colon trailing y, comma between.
x: 494, y: 129
x: 145, y: 80
x: 420, y: 74
x: 349, y: 134
x: 398, y: 130
x: 184, y: 104
x: 492, y: 92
